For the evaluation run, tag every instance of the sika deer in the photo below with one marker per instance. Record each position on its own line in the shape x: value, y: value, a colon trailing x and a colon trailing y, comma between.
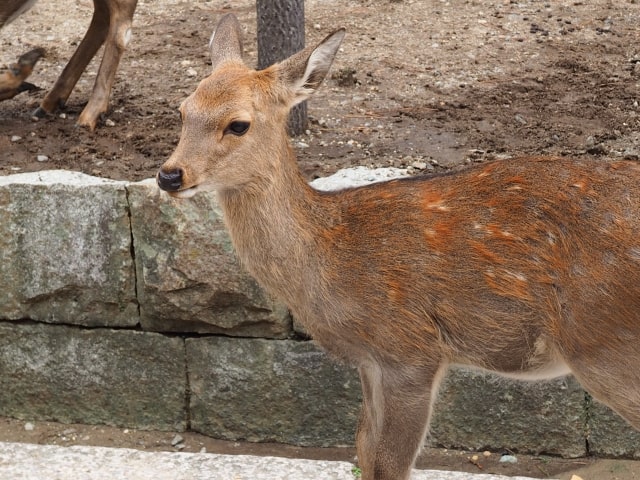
x: 110, y: 25
x: 528, y: 267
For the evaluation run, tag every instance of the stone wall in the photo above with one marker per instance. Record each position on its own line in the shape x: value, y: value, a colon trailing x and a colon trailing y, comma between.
x: 121, y: 306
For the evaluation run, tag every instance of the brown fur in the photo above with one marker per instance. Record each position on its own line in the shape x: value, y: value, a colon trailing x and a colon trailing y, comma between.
x: 110, y: 25
x: 527, y: 267
x: 12, y: 79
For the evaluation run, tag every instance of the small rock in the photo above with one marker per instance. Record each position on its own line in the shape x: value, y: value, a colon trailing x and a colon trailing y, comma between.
x: 203, y: 450
x: 16, y: 138
x: 176, y: 440
x: 62, y: 115
x: 520, y: 119
x: 419, y: 165
x: 192, y: 72
x: 29, y: 426
x: 508, y: 459
x: 486, y: 453
x: 575, y: 477
x: 598, y: 149
x: 42, y: 158
x: 109, y: 123
x: 68, y: 431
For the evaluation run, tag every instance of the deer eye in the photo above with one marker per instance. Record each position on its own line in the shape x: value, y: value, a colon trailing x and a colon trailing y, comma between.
x: 237, y: 128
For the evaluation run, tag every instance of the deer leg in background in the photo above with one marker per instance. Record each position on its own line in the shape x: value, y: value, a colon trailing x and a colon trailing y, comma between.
x: 12, y: 9
x: 111, y: 22
x: 12, y: 80
x: 92, y: 41
x: 120, y: 19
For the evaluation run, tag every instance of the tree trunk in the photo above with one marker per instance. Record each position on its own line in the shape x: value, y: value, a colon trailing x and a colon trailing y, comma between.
x: 281, y: 34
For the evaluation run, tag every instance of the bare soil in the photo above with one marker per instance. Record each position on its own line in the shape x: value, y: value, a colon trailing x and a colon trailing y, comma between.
x: 432, y: 85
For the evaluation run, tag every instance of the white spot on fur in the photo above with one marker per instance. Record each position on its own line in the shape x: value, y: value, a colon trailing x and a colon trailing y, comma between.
x: 438, y: 205
x: 634, y: 254
x: 127, y: 37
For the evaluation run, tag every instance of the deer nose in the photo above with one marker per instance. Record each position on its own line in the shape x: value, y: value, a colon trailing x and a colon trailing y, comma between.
x: 170, y: 180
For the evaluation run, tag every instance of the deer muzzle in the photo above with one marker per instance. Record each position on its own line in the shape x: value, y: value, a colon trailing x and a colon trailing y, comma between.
x: 170, y: 180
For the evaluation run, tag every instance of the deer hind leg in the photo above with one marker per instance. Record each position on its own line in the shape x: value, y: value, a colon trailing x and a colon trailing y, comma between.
x: 394, y: 418
x: 92, y: 41
x: 612, y: 376
x: 120, y: 16
x: 111, y: 23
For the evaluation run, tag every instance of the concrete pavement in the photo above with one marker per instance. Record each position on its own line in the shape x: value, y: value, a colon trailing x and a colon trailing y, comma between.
x: 21, y: 461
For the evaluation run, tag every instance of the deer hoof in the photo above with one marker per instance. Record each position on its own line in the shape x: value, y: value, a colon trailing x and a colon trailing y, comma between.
x: 87, y: 121
x: 30, y: 58
x: 39, y: 113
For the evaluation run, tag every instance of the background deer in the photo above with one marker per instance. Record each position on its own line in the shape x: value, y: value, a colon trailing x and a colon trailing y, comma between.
x: 110, y: 25
x: 528, y: 267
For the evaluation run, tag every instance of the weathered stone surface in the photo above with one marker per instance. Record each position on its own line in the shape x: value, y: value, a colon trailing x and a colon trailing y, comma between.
x: 188, y: 276
x: 65, y: 250
x: 610, y: 435
x: 271, y: 390
x: 483, y: 412
x: 21, y: 461
x: 96, y: 376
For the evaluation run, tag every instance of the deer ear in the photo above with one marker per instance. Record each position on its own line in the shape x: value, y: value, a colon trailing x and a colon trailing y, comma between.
x: 226, y: 41
x: 303, y: 72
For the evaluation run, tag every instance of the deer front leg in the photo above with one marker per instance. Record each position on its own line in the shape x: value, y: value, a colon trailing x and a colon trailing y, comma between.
x: 394, y: 418
x: 121, y: 16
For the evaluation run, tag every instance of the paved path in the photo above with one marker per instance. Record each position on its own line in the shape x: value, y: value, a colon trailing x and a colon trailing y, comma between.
x: 20, y: 461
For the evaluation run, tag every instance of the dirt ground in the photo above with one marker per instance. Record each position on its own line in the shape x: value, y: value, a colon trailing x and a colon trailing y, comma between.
x: 431, y: 85
x: 428, y: 84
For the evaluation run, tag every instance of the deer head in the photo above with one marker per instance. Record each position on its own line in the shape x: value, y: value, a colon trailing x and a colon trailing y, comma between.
x: 234, y: 124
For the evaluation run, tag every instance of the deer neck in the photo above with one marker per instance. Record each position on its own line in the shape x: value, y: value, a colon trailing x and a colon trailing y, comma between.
x: 272, y: 222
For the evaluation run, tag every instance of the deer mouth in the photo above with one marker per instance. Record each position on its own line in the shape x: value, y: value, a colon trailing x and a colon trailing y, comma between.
x: 185, y: 192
